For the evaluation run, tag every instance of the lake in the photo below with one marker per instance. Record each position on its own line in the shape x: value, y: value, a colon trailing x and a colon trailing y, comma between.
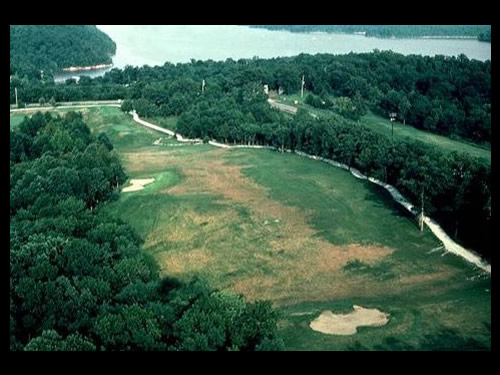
x: 152, y: 45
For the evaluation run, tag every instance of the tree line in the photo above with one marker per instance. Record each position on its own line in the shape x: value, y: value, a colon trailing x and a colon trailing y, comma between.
x: 485, y: 37
x: 451, y: 95
x: 387, y: 31
x: 444, y: 95
x: 453, y: 188
x: 78, y: 278
x: 53, y: 47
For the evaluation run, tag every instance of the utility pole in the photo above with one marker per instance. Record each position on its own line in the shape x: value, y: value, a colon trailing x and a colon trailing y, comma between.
x: 17, y: 105
x: 392, y: 116
x: 202, y: 86
x: 302, y: 89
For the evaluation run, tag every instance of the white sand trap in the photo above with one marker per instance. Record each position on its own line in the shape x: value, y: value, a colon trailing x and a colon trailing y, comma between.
x: 138, y: 185
x: 339, y: 324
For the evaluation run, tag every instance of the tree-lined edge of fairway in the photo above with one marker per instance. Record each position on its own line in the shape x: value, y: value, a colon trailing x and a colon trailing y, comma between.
x: 448, y: 243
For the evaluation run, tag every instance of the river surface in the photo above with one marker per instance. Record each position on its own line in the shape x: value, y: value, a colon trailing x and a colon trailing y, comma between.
x: 152, y: 45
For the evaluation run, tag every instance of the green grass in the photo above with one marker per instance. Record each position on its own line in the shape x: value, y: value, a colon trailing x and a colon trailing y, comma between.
x: 123, y: 132
x: 459, y: 319
x: 384, y: 126
x: 212, y: 213
x: 446, y: 144
x: 16, y: 119
x: 340, y: 218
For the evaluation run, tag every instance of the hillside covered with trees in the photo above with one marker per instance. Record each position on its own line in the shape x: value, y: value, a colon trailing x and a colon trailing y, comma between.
x: 53, y: 47
x: 389, y: 31
x: 78, y: 278
x: 485, y: 37
x: 446, y: 95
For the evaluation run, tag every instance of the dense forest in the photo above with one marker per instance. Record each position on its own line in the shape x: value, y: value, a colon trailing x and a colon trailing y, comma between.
x: 454, y: 188
x: 445, y: 95
x: 78, y: 279
x: 388, y: 31
x: 485, y: 37
x: 53, y: 47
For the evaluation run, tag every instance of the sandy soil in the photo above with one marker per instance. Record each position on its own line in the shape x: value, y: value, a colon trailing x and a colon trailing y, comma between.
x: 346, y: 324
x: 138, y: 185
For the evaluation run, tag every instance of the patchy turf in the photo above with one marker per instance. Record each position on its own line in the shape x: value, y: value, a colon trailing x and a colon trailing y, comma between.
x: 303, y: 234
x: 384, y: 126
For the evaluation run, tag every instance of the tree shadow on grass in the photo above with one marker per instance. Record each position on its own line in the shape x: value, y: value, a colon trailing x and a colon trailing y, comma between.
x: 444, y: 340
x: 380, y: 197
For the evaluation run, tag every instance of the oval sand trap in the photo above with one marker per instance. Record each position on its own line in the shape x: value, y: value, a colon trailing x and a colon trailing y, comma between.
x: 346, y: 324
x: 138, y: 185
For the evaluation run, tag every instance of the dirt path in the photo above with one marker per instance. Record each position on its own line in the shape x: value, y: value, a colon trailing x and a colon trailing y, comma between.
x: 283, y: 107
x: 448, y: 243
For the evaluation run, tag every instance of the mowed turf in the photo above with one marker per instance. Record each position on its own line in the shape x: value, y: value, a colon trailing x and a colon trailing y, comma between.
x: 446, y: 144
x: 16, y: 119
x: 305, y: 235
x: 384, y: 126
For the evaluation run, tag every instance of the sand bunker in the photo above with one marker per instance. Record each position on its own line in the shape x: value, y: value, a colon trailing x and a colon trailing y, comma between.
x: 346, y: 324
x: 138, y: 185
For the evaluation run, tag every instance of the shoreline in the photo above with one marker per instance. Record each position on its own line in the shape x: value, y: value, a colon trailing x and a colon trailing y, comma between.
x: 365, y: 34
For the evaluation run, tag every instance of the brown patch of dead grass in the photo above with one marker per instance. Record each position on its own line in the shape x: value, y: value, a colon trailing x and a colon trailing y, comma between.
x: 186, y: 261
x: 299, y: 265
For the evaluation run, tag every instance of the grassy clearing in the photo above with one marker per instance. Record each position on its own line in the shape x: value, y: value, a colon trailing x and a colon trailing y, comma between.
x: 384, y: 126
x: 16, y: 119
x: 303, y: 234
x: 452, y: 319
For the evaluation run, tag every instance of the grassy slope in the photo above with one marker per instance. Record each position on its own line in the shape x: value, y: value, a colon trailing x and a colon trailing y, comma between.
x: 447, y: 144
x: 16, y: 119
x: 383, y: 126
x: 211, y: 213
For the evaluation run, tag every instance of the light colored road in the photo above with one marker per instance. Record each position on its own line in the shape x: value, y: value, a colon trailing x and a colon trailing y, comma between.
x: 282, y: 107
x: 448, y: 243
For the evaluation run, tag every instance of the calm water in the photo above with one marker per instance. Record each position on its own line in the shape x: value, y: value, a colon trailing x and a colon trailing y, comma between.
x: 154, y: 45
